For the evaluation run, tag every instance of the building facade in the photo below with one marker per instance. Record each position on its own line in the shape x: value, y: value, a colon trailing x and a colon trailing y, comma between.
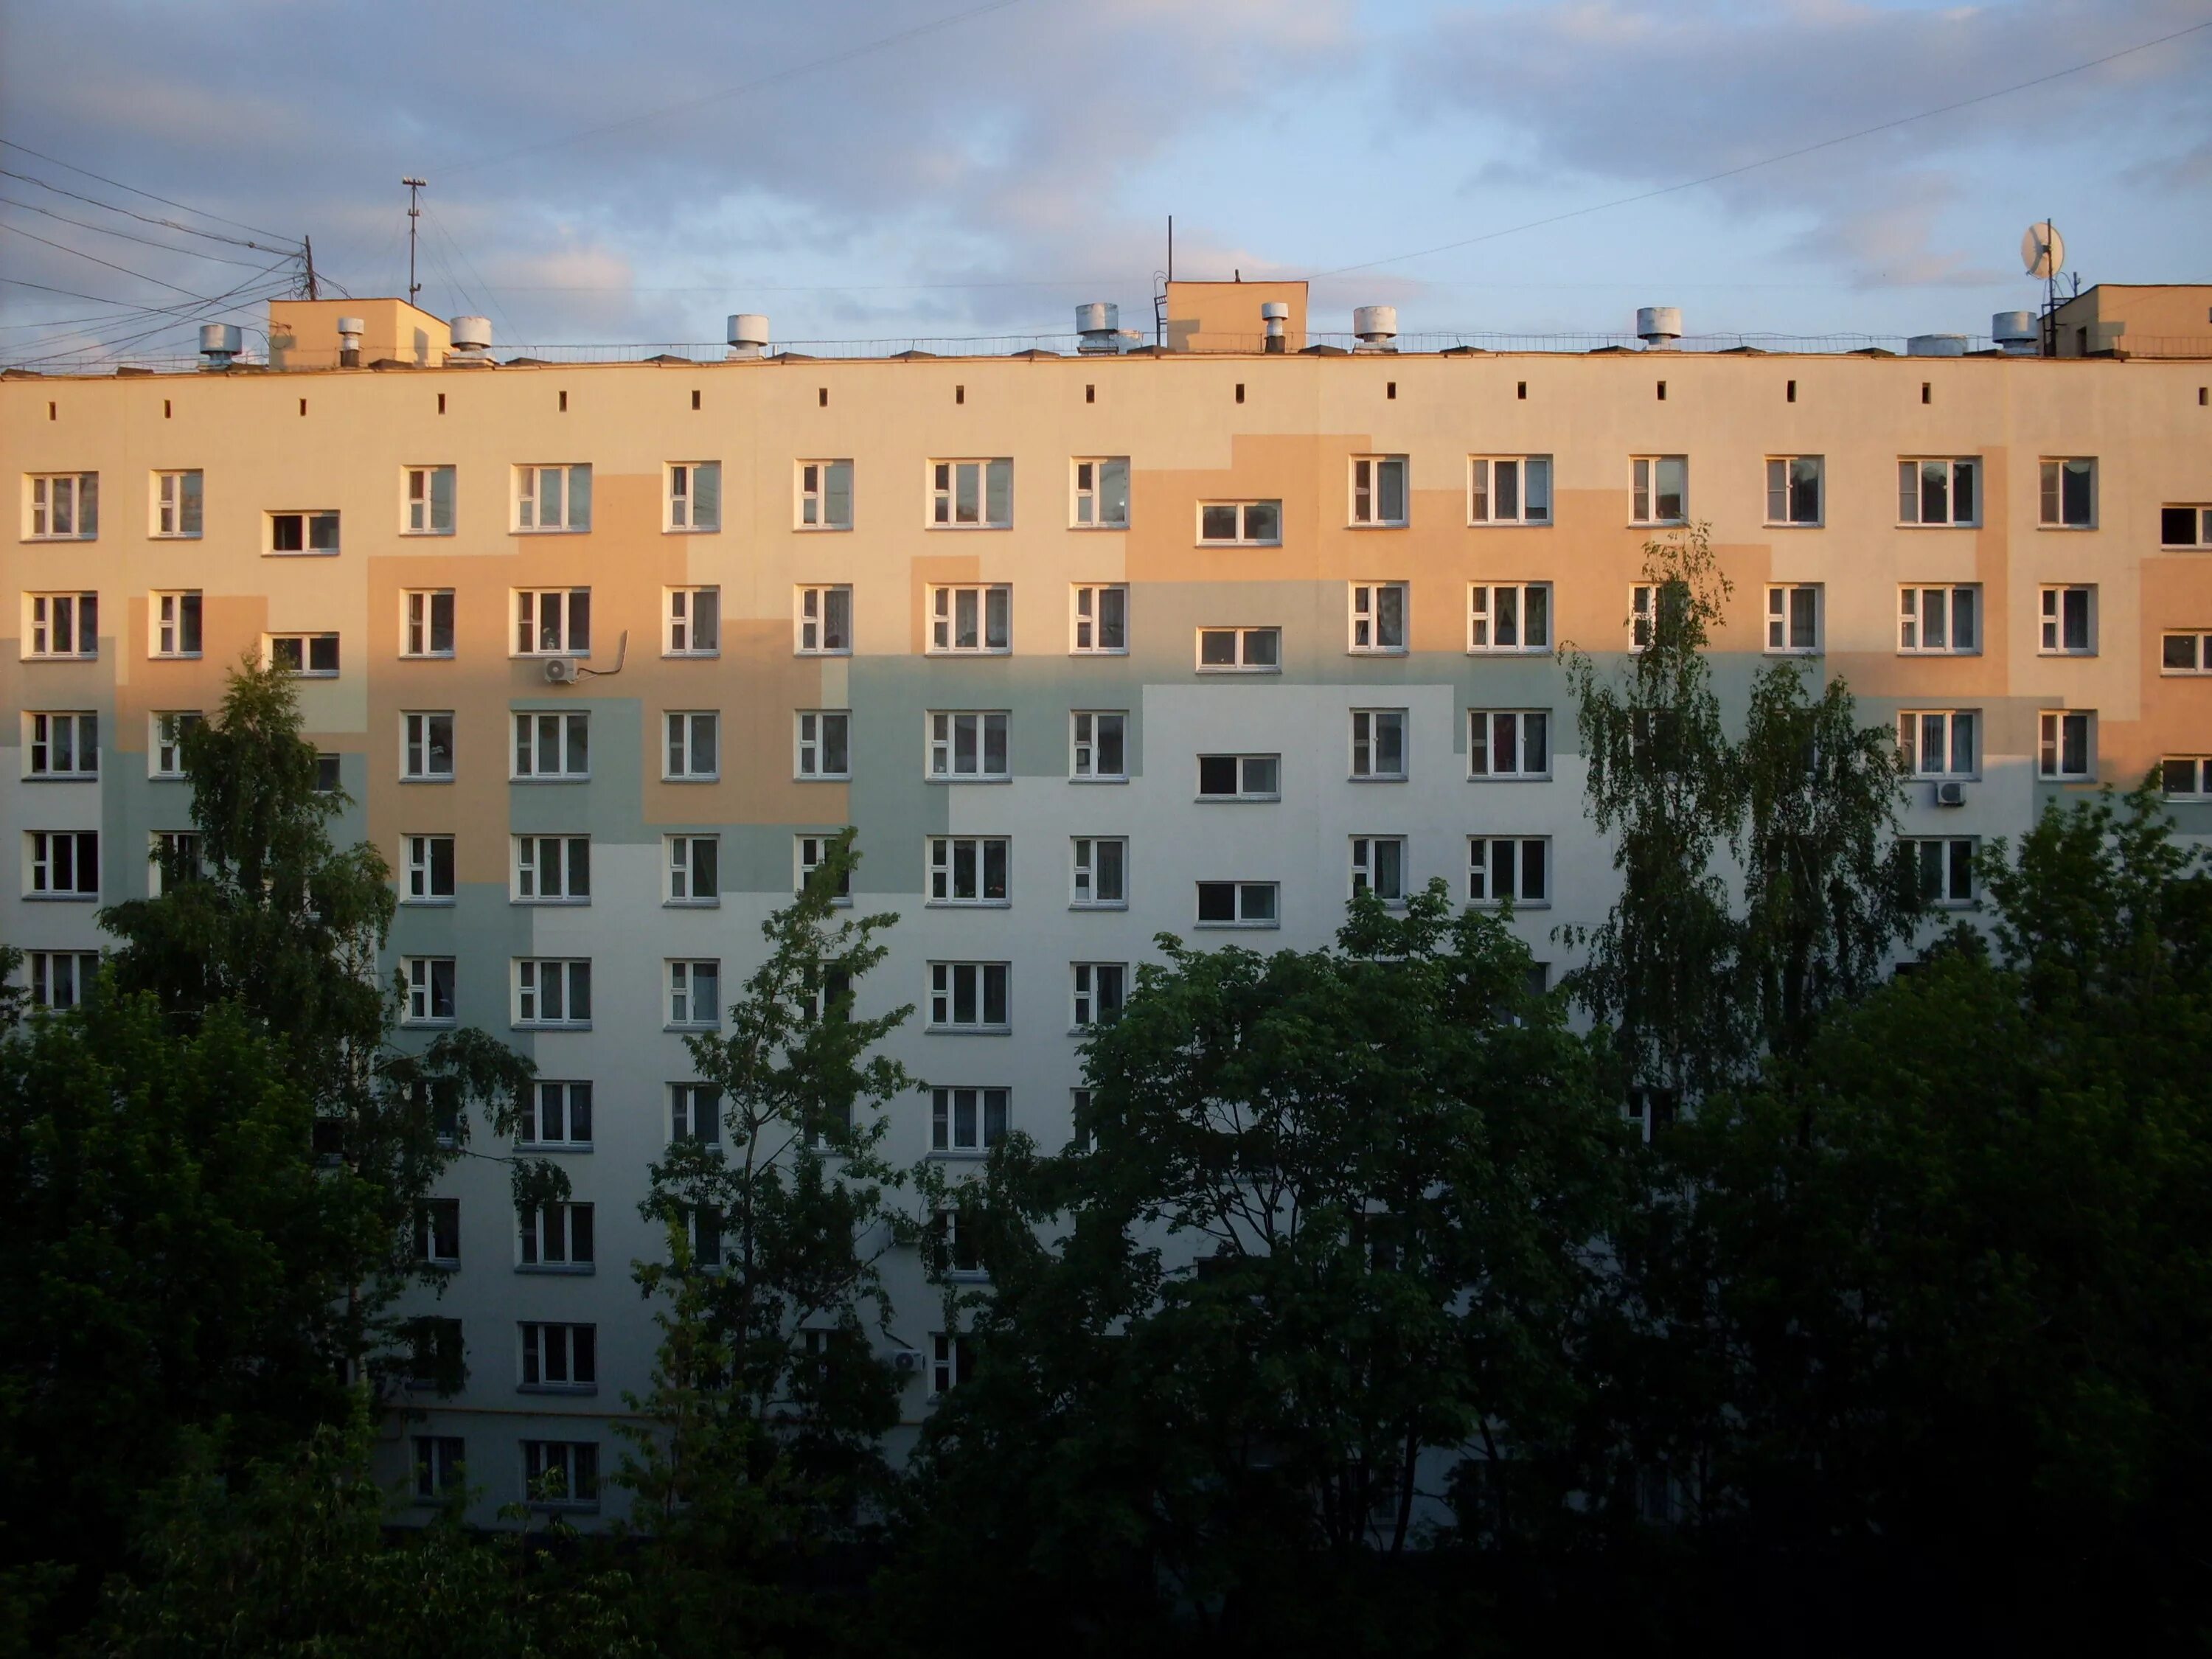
x: 1088, y: 648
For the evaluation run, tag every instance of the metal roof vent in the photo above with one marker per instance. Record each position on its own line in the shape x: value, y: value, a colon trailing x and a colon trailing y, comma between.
x: 2016, y: 334
x: 219, y: 344
x: 1100, y: 326
x: 471, y: 337
x: 1659, y: 326
x: 1936, y: 345
x: 1274, y: 318
x: 1376, y: 327
x: 747, y: 334
x: 351, y: 329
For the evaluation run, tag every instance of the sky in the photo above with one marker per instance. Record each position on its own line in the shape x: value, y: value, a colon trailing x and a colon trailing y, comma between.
x: 944, y: 169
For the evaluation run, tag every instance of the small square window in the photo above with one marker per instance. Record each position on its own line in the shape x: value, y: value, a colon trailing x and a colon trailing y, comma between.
x: 1379, y: 744
x: 1793, y: 619
x: 1239, y: 904
x: 823, y: 622
x: 2066, y: 748
x: 695, y: 864
x: 1240, y: 650
x: 1378, y: 867
x: 2068, y: 496
x: 824, y: 497
x: 1098, y: 620
x: 1100, y: 880
x: 1793, y: 489
x: 2068, y: 625
x: 1659, y: 490
x: 1241, y: 523
x: 179, y: 506
x: 694, y: 502
x: 824, y: 744
x: 691, y: 622
x: 1378, y: 618
x: 1378, y: 491
x: 315, y: 532
x: 1098, y: 746
x: 1099, y: 497
x: 428, y: 505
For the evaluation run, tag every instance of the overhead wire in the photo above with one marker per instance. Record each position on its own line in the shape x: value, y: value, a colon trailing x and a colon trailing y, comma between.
x: 148, y: 241
x: 237, y: 299
x: 491, y: 298
x: 185, y: 207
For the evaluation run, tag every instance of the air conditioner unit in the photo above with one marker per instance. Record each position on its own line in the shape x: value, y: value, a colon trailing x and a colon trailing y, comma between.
x: 559, y: 670
x: 905, y: 1360
x: 1950, y: 794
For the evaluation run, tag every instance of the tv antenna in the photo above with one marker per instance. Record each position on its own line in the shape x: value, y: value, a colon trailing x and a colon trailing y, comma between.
x: 415, y: 188
x: 2043, y: 253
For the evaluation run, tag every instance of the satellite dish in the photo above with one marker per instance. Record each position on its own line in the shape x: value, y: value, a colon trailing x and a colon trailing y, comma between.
x: 2043, y: 251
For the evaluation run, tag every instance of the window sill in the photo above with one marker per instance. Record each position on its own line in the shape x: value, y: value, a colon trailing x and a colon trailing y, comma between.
x: 822, y: 777
x: 299, y: 552
x: 541, y: 656
x: 558, y: 1388
x: 63, y: 777
x: 692, y: 777
x: 555, y: 1506
x: 552, y: 1146
x: 93, y: 537
x: 427, y: 534
x: 1975, y: 526
x: 691, y: 529
x: 846, y: 653
x: 1376, y: 777
x: 92, y: 656
x: 445, y: 902
x: 959, y: 651
x: 2045, y: 653
x: 1123, y: 778
x: 1792, y: 651
x: 312, y: 674
x: 1509, y: 777
x: 542, y: 1026
x: 553, y: 777
x: 550, y: 530
x: 1376, y: 651
x: 404, y: 777
x: 429, y: 1025
x: 689, y: 1028
x: 969, y: 1031
x: 1001, y: 777
x: 1793, y: 524
x: 1098, y: 904
x: 1657, y: 524
x: 1237, y: 926
x: 1914, y: 651
x: 426, y: 656
x: 1218, y: 545
x: 1236, y: 800
x: 686, y: 656
x: 822, y: 529
x: 1089, y: 527
x: 691, y: 904
x: 559, y: 1269
x: 61, y: 898
x: 1218, y: 668
x: 2076, y: 528
x: 1009, y: 526
x: 1519, y: 904
x: 1098, y: 650
x: 968, y: 904
x: 175, y: 535
x: 550, y: 903
x: 179, y: 777
x: 1509, y: 651
x: 960, y: 1154
x: 1509, y: 524
x: 151, y: 656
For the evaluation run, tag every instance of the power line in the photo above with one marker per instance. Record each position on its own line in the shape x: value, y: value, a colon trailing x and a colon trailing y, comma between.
x: 97, y: 260
x: 808, y: 67
x: 148, y: 241
x: 1786, y: 155
x: 182, y: 206
x: 143, y: 218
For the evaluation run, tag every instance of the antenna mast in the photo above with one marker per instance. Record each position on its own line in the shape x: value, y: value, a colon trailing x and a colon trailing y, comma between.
x: 415, y: 186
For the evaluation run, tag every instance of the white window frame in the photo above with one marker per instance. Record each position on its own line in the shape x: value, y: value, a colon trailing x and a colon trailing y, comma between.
x: 1646, y: 489
x: 1098, y: 611
x: 550, y: 1345
x: 164, y: 741
x: 1248, y: 898
x: 1483, y: 727
x: 2052, y: 620
x: 685, y: 733
x: 2200, y: 648
x: 681, y: 513
x: 418, y: 731
x: 314, y: 522
x: 812, y: 508
x: 1783, y: 476
x: 2050, y: 495
x: 165, y: 847
x: 813, y: 619
x: 808, y: 853
x: 680, y: 881
x: 816, y: 733
x: 1245, y: 534
x: 573, y: 1093
x: 534, y: 979
x: 1488, y: 618
x: 575, y: 1460
x: 1369, y: 624
x: 549, y: 1238
x: 420, y: 977
x: 1912, y: 482
x: 1252, y: 773
x: 941, y: 732
x: 527, y: 629
x: 1086, y: 739
x: 1912, y: 619
x: 685, y: 983
x: 44, y: 972
x: 418, y: 624
x: 1482, y: 855
x: 534, y: 732
x: 1090, y: 493
x: 693, y: 1107
x: 951, y: 479
x: 532, y: 880
x: 2200, y: 523
x: 180, y: 505
x: 686, y: 614
x: 1782, y: 619
x: 42, y: 621
x: 944, y: 860
x: 1098, y: 872
x: 1378, y: 861
x: 1097, y: 992
x: 1369, y: 740
x: 1642, y: 615
x: 948, y: 1363
x: 43, y: 730
x: 2196, y: 784
x: 2055, y: 727
x: 171, y: 615
x: 1948, y: 870
x: 946, y: 1139
x: 1484, y: 488
x: 946, y: 602
x: 1244, y: 637
x: 422, y: 511
x: 43, y: 494
x: 1913, y: 729
x: 1371, y: 477
x: 530, y: 494
x: 43, y: 854
x: 418, y: 864
x: 981, y: 988
x: 306, y: 643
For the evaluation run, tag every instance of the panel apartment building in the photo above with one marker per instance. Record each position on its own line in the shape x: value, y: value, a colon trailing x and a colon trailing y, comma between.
x: 1090, y: 644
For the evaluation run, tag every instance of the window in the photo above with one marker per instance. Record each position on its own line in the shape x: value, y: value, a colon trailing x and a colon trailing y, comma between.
x: 1378, y: 617
x: 1240, y: 777
x: 553, y: 621
x: 436, y: 1359
x: 63, y: 747
x: 2186, y: 777
x: 1939, y: 492
x: 694, y: 496
x: 968, y: 996
x: 1947, y: 869
x: 426, y: 748
x: 178, y: 504
x: 63, y: 506
x: 176, y: 618
x: 429, y: 501
x: 971, y: 618
x: 2064, y: 750
x: 955, y: 1248
x: 824, y: 622
x: 426, y: 623
x: 1938, y: 742
x: 63, y: 864
x: 552, y: 991
x: 968, y: 869
x: 693, y: 752
x: 1502, y: 867
x: 556, y: 1114
x: 552, y: 498
x: 695, y: 1113
x: 553, y: 745
x: 1509, y: 489
x: 438, y: 1232
x: 330, y: 774
x: 308, y: 656
x: 1378, y: 867
x: 1098, y: 746
x: 2186, y: 654
x: 2069, y: 621
x: 561, y: 1473
x: 561, y: 1356
x: 438, y: 1461
x: 949, y: 1361
x: 1793, y: 618
x: 61, y: 979
x: 1660, y: 490
x: 825, y: 494
x: 1793, y: 489
x: 1099, y: 620
x: 808, y: 853
x: 824, y: 743
x: 63, y: 625
x: 2069, y: 494
x: 430, y: 862
x: 1102, y: 493
x: 1241, y: 523
x: 692, y: 623
x: 2184, y: 527
x: 971, y: 494
x: 1100, y: 988
x: 1100, y: 872
x: 429, y: 990
x: 966, y: 1120
x: 1509, y: 743
x: 1939, y: 621
x: 695, y: 994
x: 1511, y: 619
x: 969, y: 744
x: 556, y: 1236
x: 1379, y: 744
x: 304, y: 532
x: 695, y: 865
x: 1237, y: 904
x: 552, y: 869
x: 174, y: 856
x: 1643, y: 615
x: 1378, y: 490
x: 1240, y: 650
x: 704, y: 1222
x: 166, y: 751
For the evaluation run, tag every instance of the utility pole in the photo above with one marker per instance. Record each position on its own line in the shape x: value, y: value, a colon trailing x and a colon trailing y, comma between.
x: 307, y: 247
x: 415, y: 186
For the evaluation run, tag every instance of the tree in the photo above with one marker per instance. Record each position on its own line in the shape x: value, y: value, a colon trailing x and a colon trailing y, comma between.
x: 1329, y: 1234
